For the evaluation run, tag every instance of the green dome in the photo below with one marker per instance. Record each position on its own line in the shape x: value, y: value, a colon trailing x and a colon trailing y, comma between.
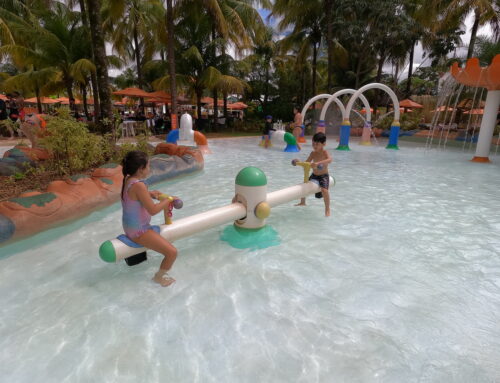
x: 107, y: 252
x: 251, y: 176
x: 290, y: 139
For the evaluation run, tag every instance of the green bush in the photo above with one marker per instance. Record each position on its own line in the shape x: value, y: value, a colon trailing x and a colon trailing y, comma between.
x: 408, y: 121
x: 72, y: 147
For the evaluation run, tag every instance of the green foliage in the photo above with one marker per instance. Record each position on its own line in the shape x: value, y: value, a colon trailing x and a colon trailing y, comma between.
x: 72, y: 146
x: 408, y: 121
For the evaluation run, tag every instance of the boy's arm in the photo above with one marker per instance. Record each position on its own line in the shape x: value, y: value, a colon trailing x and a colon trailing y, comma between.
x: 309, y: 158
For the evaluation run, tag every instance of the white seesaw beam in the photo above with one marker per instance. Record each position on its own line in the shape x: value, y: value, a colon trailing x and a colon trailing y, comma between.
x: 115, y: 250
x: 291, y: 193
x: 187, y: 226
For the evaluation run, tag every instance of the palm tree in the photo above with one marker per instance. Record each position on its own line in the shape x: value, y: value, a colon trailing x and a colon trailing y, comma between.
x: 51, y: 40
x: 101, y: 63
x: 306, y: 18
x: 486, y: 12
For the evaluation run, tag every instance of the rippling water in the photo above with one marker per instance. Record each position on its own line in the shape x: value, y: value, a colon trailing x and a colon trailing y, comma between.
x: 401, y: 284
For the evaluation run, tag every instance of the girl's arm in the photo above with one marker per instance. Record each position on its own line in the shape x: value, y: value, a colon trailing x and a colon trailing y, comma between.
x: 142, y: 193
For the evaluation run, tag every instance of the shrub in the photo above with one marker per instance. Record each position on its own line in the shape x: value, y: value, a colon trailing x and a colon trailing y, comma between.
x: 72, y: 146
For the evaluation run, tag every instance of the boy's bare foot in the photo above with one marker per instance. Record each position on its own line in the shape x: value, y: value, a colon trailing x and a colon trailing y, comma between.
x: 301, y: 204
x: 163, y: 278
x: 327, y: 213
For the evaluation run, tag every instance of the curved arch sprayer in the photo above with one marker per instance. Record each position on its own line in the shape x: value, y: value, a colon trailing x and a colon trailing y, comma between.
x: 345, y: 129
x: 365, y: 137
x: 310, y: 102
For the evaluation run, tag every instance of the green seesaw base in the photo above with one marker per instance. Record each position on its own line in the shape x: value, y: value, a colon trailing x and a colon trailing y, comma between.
x: 252, y: 239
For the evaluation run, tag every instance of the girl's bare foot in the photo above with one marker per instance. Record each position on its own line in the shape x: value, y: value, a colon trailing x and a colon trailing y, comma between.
x: 327, y: 213
x: 301, y: 204
x: 163, y: 278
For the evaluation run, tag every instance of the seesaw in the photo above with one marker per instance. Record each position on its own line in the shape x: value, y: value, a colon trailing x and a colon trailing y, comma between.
x: 250, y: 207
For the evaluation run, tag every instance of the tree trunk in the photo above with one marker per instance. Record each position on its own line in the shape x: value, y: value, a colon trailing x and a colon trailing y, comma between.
x: 214, y: 91
x: 101, y: 62
x: 358, y: 71
x: 38, y: 101
x: 137, y: 55
x: 377, y: 79
x: 171, y: 62
x: 396, y: 75
x: 84, y: 96
x: 410, y: 71
x: 224, y: 94
x: 473, y: 34
x: 199, y: 94
x: 266, y: 88
x: 303, y: 86
x: 93, y: 77
x: 216, y: 108
x: 329, y: 42
x: 314, y: 74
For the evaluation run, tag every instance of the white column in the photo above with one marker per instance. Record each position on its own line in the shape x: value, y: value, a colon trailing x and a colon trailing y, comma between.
x: 487, y: 126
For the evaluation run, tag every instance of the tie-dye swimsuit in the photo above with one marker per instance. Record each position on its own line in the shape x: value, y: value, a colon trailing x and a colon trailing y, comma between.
x: 135, y: 217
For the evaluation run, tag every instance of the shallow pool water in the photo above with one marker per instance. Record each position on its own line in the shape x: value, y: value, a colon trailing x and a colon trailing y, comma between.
x: 401, y: 284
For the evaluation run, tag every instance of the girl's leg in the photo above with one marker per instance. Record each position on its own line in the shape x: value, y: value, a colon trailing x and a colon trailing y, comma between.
x: 154, y: 241
x: 326, y: 198
x: 302, y: 202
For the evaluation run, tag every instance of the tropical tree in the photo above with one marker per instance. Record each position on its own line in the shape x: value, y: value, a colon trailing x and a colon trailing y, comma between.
x: 100, y: 59
x: 52, y: 39
x: 485, y: 12
x: 486, y: 48
x: 305, y: 17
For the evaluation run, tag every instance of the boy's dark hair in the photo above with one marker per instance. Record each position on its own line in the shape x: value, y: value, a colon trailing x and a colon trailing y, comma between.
x: 319, y: 137
x: 132, y: 162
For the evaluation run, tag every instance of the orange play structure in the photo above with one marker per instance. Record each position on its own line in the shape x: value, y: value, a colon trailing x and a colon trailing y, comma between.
x: 486, y: 77
x: 475, y: 75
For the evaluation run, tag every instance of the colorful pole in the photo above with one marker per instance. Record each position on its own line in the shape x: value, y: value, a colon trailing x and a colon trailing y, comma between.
x: 393, y: 136
x: 345, y: 132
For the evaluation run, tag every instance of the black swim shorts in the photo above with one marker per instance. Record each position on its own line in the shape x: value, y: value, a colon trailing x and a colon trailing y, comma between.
x: 323, y: 181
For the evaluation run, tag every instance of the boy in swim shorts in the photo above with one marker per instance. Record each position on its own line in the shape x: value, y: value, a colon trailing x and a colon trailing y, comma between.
x: 319, y: 159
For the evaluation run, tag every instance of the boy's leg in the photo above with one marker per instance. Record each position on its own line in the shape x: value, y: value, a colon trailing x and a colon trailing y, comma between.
x: 326, y: 198
x: 302, y: 202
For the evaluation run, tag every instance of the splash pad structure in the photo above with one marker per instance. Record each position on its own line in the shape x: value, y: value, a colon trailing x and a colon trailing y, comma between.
x: 485, y: 77
x: 345, y: 129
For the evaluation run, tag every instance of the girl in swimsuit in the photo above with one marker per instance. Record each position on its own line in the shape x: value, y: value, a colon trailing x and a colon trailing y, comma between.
x: 138, y: 207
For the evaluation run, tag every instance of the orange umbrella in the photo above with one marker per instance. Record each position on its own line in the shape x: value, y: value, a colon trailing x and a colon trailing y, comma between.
x: 160, y: 94
x: 474, y: 111
x: 43, y: 100
x: 157, y: 100
x: 132, y: 92
x: 363, y: 111
x: 444, y: 109
x: 409, y: 104
x: 237, y: 105
x: 219, y: 103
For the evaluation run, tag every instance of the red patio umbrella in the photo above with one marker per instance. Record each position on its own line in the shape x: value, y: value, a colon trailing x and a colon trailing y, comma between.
x: 132, y: 92
x: 43, y: 100
x: 237, y: 105
x: 474, y: 111
x: 409, y: 104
